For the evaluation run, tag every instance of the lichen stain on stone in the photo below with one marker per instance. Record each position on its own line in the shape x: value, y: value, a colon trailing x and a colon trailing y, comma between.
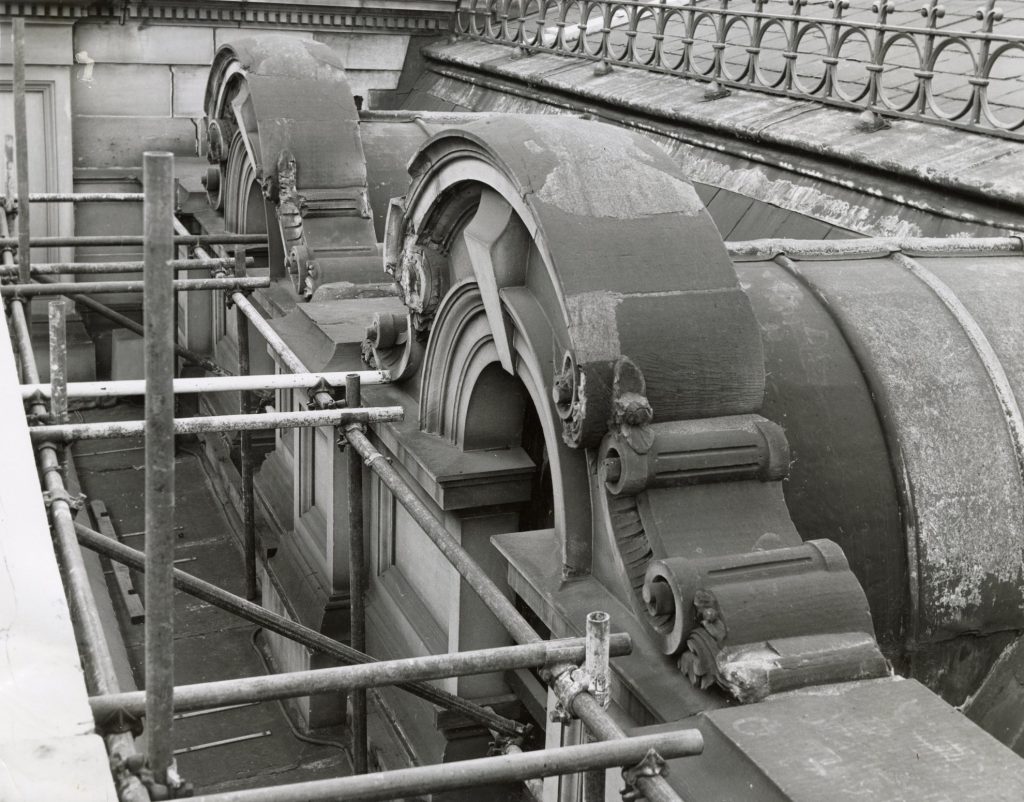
x: 592, y: 325
x: 611, y: 177
x: 755, y: 183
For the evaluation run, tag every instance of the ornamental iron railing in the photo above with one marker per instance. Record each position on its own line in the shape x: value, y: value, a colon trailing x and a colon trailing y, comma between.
x: 936, y: 70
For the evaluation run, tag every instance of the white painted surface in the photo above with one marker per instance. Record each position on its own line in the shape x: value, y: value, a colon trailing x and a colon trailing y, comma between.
x: 56, y: 770
x: 46, y: 749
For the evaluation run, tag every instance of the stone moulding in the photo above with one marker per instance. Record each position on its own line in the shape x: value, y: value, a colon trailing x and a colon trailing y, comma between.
x: 422, y: 16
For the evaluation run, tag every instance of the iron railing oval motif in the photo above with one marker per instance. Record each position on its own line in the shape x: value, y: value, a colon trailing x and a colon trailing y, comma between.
x: 855, y: 58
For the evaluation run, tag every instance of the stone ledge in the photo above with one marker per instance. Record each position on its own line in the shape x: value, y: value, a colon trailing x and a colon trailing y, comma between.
x: 981, y: 166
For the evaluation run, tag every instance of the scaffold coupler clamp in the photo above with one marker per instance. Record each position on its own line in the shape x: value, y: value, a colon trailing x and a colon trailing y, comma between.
x: 39, y: 418
x: 75, y: 502
x: 229, y: 295
x: 652, y: 765
x: 344, y: 430
x: 119, y: 721
x: 568, y: 685
x: 174, y: 788
x: 324, y: 386
x: 500, y: 744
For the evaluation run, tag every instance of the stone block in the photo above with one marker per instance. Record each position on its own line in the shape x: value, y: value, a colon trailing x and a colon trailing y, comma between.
x: 222, y: 36
x: 111, y: 219
x: 121, y: 90
x: 44, y: 44
x: 143, y: 43
x: 107, y: 141
x: 188, y: 88
x: 126, y: 355
x: 363, y: 82
x: 367, y: 51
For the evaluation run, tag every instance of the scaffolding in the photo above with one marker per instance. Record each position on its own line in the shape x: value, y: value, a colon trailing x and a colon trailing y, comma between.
x: 577, y: 669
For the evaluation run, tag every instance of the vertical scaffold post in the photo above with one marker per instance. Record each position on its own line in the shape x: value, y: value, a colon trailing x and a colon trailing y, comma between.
x: 158, y: 212
x: 357, y: 573
x: 58, y: 360
x: 21, y: 152
x: 245, y: 446
x: 597, y: 667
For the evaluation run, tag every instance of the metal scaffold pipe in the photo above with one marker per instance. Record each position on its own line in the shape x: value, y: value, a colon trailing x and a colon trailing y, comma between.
x: 402, y: 783
x: 91, y: 268
x: 86, y: 197
x: 96, y: 287
x: 23, y: 343
x: 158, y: 300
x: 247, y: 467
x: 58, y: 360
x: 81, y: 241
x: 582, y: 704
x: 21, y: 151
x: 287, y: 628
x: 356, y: 579
x: 597, y: 668
x: 346, y: 678
x: 218, y: 423
x: 211, y: 384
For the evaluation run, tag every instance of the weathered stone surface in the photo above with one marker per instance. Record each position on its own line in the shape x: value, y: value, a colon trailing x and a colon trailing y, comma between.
x: 367, y: 51
x: 188, y: 86
x: 222, y: 36
x: 365, y: 81
x: 121, y: 90
x: 120, y: 141
x: 44, y: 44
x: 141, y: 43
x: 882, y: 739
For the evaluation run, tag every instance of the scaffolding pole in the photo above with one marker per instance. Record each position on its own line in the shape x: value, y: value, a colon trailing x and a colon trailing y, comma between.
x: 135, y: 240
x: 422, y: 780
x: 100, y: 674
x: 90, y: 268
x: 310, y: 638
x: 203, y: 696
x: 218, y: 423
x: 158, y: 300
x: 86, y: 197
x: 582, y: 704
x: 245, y: 449
x: 356, y: 579
x: 58, y: 360
x: 21, y: 151
x: 212, y: 384
x: 97, y: 287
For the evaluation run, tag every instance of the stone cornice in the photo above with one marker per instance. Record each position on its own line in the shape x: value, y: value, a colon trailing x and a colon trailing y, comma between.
x: 412, y: 16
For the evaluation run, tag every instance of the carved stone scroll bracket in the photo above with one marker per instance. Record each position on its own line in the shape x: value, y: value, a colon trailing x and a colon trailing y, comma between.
x: 764, y: 621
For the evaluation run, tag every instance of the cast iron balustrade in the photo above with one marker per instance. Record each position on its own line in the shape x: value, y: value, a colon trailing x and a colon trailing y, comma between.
x: 853, y: 58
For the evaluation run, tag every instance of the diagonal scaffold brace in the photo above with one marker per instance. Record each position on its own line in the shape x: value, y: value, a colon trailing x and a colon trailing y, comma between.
x: 287, y: 628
